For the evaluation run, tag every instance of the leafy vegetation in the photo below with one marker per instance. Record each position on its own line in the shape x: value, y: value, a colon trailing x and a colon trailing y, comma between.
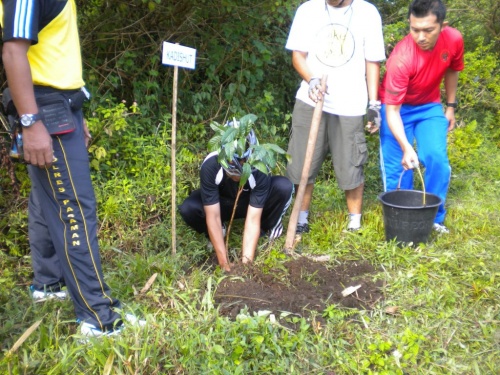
x: 440, y: 314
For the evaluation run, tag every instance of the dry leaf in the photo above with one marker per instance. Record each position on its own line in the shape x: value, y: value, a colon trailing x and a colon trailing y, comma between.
x: 392, y: 310
x: 350, y: 290
x: 149, y: 283
x: 25, y: 335
x: 318, y: 258
x: 108, y: 367
x: 181, y: 285
x: 317, y: 327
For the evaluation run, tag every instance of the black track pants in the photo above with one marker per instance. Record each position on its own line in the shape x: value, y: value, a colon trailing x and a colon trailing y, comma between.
x: 63, y: 230
x: 277, y: 203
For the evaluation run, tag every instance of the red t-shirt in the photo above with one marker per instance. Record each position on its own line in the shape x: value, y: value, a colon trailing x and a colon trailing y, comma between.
x: 413, y: 76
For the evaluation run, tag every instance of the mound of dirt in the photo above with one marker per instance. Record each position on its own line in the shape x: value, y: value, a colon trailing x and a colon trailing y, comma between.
x: 300, y: 287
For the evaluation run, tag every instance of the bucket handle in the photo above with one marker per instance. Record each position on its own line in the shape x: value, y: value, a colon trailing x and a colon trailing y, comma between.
x: 421, y: 179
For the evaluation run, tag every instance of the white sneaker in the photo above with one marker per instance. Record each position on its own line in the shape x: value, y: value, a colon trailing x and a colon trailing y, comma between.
x: 42, y: 295
x: 440, y: 228
x: 354, y: 222
x: 90, y: 330
x: 353, y: 227
x: 134, y: 321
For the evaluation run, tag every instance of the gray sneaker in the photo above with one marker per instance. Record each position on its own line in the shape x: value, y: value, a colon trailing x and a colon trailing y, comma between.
x: 440, y: 228
x: 44, y: 295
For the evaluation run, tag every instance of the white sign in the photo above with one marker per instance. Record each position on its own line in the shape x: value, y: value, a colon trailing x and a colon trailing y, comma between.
x: 176, y: 55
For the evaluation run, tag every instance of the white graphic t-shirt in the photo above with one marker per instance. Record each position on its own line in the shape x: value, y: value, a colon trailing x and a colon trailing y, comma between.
x: 338, y: 42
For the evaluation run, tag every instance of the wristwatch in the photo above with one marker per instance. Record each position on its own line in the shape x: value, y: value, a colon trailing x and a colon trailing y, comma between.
x: 452, y: 105
x: 28, y: 120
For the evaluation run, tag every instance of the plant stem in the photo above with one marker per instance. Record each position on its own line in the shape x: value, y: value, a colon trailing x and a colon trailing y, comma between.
x: 240, y: 190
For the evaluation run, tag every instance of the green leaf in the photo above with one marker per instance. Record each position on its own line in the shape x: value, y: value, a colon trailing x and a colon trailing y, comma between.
x: 258, y: 339
x: 230, y: 134
x: 216, y: 127
x: 275, y: 148
x: 248, y: 119
x: 214, y: 143
x: 238, y: 350
x: 218, y: 349
x: 247, y: 171
x: 261, y: 167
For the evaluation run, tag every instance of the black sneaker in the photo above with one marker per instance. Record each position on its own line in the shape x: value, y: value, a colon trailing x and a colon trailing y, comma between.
x: 302, y: 228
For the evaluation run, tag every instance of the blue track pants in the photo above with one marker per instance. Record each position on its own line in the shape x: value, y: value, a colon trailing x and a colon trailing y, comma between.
x: 427, y: 125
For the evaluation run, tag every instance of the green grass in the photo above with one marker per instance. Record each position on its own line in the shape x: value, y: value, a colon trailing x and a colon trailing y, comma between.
x: 445, y: 296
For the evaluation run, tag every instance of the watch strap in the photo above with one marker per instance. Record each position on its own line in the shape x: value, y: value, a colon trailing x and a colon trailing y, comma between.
x: 33, y: 118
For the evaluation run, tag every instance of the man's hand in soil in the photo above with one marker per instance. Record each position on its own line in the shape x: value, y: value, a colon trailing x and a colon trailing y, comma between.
x: 226, y: 267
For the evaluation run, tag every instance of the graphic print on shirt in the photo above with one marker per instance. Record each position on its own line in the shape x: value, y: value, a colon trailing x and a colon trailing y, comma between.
x: 335, y: 45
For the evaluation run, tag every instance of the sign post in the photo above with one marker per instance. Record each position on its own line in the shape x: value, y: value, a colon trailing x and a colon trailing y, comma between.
x: 185, y: 57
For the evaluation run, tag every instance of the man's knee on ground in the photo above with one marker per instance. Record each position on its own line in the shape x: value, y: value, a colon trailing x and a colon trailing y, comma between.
x: 189, y: 208
x: 282, y: 186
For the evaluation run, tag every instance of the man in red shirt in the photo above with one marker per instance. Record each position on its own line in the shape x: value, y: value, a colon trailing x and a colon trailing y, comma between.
x: 412, y: 110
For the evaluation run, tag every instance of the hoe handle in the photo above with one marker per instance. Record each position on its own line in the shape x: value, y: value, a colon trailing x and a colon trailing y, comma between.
x: 311, y: 144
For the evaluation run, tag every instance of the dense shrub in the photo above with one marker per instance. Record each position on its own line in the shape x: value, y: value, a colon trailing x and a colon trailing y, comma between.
x: 240, y: 55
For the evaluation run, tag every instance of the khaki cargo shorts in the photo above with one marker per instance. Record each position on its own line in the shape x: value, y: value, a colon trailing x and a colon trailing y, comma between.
x: 342, y: 136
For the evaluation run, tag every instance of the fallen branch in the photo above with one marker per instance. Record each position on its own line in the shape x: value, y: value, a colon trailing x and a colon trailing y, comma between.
x: 23, y: 338
x: 148, y: 284
x: 234, y: 296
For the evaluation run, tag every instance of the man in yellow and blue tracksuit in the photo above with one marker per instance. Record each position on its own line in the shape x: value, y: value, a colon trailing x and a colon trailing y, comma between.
x: 41, y: 55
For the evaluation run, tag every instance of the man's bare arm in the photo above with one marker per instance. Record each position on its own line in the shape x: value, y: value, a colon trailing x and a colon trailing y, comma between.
x: 299, y: 59
x: 251, y: 233
x: 214, y: 226
x: 410, y: 158
x: 37, y: 142
x: 450, y: 86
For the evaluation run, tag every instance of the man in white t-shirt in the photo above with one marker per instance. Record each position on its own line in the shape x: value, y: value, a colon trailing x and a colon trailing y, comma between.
x: 341, y: 39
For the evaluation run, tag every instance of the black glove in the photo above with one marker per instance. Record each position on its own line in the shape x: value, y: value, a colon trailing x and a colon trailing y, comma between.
x: 373, y: 116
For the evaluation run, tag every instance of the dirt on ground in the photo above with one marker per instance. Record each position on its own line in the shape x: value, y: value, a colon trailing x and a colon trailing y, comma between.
x: 300, y: 286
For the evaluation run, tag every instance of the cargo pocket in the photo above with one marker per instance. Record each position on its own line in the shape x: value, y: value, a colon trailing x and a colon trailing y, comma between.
x: 360, y: 149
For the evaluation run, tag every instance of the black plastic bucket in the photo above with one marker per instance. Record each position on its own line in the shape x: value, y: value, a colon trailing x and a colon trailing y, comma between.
x: 406, y: 217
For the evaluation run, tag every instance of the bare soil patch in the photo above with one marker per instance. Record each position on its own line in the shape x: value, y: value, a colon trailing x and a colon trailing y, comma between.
x: 302, y: 286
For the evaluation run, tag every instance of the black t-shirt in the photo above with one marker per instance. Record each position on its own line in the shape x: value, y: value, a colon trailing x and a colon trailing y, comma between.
x: 215, y: 184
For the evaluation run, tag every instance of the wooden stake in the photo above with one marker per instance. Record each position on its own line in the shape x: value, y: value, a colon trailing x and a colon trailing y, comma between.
x: 173, y: 153
x: 311, y: 144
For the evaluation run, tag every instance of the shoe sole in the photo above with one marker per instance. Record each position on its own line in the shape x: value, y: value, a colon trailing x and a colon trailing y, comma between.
x: 50, y: 298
